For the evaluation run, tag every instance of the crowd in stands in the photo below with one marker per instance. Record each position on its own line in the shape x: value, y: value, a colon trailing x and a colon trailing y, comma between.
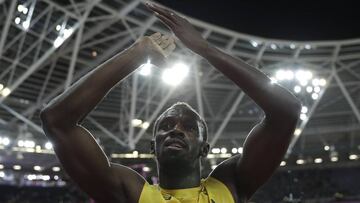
x: 306, y: 186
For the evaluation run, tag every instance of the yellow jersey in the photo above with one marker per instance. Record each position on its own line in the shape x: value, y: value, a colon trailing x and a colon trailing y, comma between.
x: 210, y: 191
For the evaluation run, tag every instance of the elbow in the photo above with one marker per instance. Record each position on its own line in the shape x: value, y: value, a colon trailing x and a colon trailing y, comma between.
x: 47, y: 119
x: 289, y: 113
x: 50, y: 119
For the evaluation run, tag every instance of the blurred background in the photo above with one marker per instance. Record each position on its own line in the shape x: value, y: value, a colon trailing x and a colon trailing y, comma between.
x: 312, y: 49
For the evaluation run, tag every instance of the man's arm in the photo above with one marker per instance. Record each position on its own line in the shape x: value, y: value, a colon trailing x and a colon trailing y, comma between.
x: 267, y: 143
x: 75, y: 147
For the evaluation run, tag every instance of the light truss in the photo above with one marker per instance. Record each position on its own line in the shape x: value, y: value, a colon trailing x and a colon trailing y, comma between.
x: 36, y: 72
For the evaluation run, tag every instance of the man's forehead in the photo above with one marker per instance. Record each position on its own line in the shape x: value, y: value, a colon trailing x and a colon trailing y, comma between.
x: 183, y: 113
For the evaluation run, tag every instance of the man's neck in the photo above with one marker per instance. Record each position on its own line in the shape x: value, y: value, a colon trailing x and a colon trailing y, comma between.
x: 179, y: 177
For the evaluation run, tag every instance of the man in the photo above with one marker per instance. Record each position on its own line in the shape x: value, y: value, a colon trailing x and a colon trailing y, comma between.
x: 180, y: 134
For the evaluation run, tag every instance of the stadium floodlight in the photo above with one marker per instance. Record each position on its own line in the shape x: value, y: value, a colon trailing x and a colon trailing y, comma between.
x: 318, y: 160
x: 326, y: 147
x: 273, y: 46
x: 297, y: 132
x: 215, y: 150
x: 315, y: 96
x: 17, y: 167
x: 4, y: 141
x: 37, y: 168
x: 297, y: 89
x: 176, y: 74
x: 303, y: 117
x: 304, y: 109
x: 48, y: 145
x: 300, y: 161
x: 240, y: 150
x: 254, y: 43
x: 223, y: 150
x: 283, y: 163
x: 5, y: 92
x: 145, y: 69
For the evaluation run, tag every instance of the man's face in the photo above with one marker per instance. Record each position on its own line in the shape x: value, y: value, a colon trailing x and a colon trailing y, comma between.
x: 178, y: 137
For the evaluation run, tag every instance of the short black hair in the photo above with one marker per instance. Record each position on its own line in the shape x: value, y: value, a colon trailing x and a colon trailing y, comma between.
x: 184, y: 105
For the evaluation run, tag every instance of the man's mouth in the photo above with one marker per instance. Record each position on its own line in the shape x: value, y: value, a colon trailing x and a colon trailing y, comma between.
x: 174, y: 144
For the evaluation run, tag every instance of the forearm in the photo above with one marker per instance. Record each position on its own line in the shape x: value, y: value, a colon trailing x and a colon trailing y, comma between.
x: 272, y: 98
x: 75, y: 103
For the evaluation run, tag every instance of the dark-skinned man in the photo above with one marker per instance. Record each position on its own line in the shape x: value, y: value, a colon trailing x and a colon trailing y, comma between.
x: 180, y: 134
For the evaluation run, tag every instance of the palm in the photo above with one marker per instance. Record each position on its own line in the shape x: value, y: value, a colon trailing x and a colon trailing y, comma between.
x: 181, y: 28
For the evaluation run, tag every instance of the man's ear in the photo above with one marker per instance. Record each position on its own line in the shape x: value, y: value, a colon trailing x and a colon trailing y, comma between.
x: 152, y: 147
x: 205, y: 149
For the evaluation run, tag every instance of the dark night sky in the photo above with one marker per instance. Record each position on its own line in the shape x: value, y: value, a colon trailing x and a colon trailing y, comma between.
x: 294, y: 20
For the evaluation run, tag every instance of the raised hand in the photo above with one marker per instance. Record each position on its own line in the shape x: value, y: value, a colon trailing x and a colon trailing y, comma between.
x: 181, y: 27
x: 157, y: 47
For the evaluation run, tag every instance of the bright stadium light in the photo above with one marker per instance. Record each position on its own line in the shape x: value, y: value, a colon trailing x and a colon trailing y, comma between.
x: 48, y: 145
x: 2, y: 174
x: 136, y: 122
x: 223, y: 150
x: 58, y: 27
x: 1, y: 166
x: 58, y: 42
x: 5, y: 92
x: 317, y: 89
x: 37, y: 168
x: 273, y: 46
x: 145, y: 69
x: 297, y: 89
x: 29, y: 144
x: 326, y: 147
x: 17, y: 167
x: 215, y: 150
x: 300, y: 161
x: 234, y: 150
x: 145, y: 125
x: 318, y: 160
x: 174, y: 75
x: 307, y: 46
x: 283, y: 163
x: 26, y: 25
x: 254, y: 43
x: 315, y: 96
x: 280, y: 75
x: 334, y: 159
x: 17, y: 20
x: 303, y: 117
x: 56, y: 169
x: 146, y: 169
x: 304, y: 109
x: 4, y: 141
x: 353, y: 157
x: 25, y: 10
x: 309, y: 89
x: 240, y: 150
x: 289, y: 75
x: 20, y: 8
x: 322, y: 82
x: 292, y: 46
x: 316, y: 82
x: 297, y: 132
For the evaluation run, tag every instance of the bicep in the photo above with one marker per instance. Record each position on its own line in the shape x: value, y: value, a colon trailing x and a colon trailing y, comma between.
x: 86, y: 163
x: 263, y: 150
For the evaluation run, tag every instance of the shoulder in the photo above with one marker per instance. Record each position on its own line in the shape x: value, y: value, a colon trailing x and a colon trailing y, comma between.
x: 218, y: 191
x: 150, y: 194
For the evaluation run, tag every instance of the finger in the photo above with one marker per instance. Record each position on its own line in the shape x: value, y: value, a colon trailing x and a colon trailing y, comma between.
x: 168, y: 50
x: 155, y: 36
x: 165, y: 20
x: 165, y: 43
x: 163, y: 11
